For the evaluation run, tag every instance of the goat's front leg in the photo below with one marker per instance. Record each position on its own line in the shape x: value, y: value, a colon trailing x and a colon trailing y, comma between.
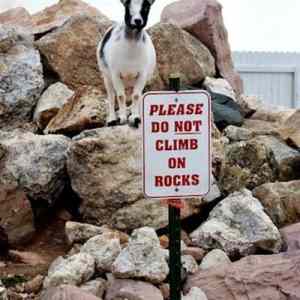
x: 111, y: 118
x: 121, y: 96
x: 136, y: 96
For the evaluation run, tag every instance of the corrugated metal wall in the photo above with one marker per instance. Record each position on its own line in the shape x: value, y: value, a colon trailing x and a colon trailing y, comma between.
x: 274, y: 77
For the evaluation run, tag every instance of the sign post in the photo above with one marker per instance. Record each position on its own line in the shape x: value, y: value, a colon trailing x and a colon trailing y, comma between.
x: 176, y: 152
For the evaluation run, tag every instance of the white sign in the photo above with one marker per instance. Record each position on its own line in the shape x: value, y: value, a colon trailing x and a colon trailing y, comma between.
x: 176, y: 144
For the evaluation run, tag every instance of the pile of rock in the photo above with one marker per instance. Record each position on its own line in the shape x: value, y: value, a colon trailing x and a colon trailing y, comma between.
x: 54, y: 146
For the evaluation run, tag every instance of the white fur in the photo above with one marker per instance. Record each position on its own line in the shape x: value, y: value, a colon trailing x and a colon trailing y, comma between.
x: 127, y: 64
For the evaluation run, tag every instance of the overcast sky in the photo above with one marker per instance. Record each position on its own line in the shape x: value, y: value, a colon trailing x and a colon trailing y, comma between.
x: 270, y: 25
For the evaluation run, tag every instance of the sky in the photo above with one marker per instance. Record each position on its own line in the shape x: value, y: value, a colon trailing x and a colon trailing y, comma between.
x: 253, y: 25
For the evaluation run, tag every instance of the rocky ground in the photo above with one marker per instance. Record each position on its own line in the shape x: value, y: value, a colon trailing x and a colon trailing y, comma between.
x: 74, y: 223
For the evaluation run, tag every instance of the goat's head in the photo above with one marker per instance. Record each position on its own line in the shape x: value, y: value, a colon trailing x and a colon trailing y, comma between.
x: 137, y: 12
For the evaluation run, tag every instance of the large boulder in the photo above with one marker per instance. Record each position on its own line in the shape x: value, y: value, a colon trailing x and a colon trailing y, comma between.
x: 56, y: 15
x: 21, y: 77
x: 35, y: 163
x: 17, y: 17
x: 16, y: 216
x: 131, y: 290
x: 290, y: 130
x: 239, y: 226
x: 143, y: 258
x: 281, y: 201
x: 70, y: 51
x: 179, y: 52
x: 50, y: 103
x: 204, y: 20
x: 73, y: 270
x: 111, y: 160
x: 247, y: 164
x: 85, y: 110
x: 254, y: 277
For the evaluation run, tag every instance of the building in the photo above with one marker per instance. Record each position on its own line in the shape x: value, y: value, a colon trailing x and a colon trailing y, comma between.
x: 272, y: 76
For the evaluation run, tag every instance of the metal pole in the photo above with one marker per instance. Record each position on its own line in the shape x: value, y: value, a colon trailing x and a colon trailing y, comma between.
x: 174, y: 229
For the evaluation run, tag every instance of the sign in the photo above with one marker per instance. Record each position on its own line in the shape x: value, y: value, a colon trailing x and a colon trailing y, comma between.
x: 176, y: 144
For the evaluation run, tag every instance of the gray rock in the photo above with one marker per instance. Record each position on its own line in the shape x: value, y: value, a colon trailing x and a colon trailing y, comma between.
x: 96, y: 287
x: 219, y: 86
x: 142, y: 258
x: 50, y: 103
x: 195, y: 294
x: 189, y: 264
x: 236, y: 134
x: 21, y: 78
x: 122, y: 289
x: 239, y: 226
x: 36, y: 163
x: 214, y: 192
x: 105, y: 249
x: 287, y: 160
x: 74, y: 270
x: 111, y: 159
x: 3, y: 292
x: 214, y: 258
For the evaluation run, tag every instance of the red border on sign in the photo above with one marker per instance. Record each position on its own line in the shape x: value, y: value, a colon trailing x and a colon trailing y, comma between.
x: 209, y: 140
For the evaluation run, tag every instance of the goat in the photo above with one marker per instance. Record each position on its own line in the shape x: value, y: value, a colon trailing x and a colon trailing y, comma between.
x: 127, y: 60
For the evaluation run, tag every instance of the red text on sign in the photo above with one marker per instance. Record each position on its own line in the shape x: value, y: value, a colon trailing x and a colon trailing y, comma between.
x: 177, y: 162
x: 177, y: 144
x: 177, y: 180
x: 176, y: 109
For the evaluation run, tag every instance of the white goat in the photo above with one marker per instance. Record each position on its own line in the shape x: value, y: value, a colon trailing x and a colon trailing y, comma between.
x: 127, y: 59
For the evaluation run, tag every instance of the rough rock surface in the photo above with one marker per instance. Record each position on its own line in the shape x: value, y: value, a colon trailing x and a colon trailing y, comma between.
x: 213, y: 259
x: 21, y: 77
x: 219, y: 86
x: 16, y: 215
x: 50, y: 103
x: 131, y: 290
x: 281, y: 201
x: 111, y: 159
x: 237, y: 134
x: 186, y: 55
x: 291, y: 237
x: 253, y: 277
x: 81, y: 232
x: 97, y: 287
x: 143, y: 258
x: 70, y: 51
x: 195, y: 294
x: 67, y: 292
x: 73, y: 270
x: 290, y: 130
x: 247, y: 164
x: 204, y: 20
x: 56, y: 15
x: 105, y: 249
x: 239, y: 226
x: 85, y: 110
x: 287, y: 159
x: 189, y: 264
x: 35, y: 162
x: 17, y: 17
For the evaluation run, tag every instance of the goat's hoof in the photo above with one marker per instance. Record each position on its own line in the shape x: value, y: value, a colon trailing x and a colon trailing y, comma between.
x: 113, y: 123
x: 135, y: 122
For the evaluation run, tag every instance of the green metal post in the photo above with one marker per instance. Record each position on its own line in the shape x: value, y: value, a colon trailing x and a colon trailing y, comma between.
x: 174, y: 230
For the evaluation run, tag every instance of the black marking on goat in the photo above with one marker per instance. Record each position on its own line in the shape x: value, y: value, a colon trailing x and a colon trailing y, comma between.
x: 104, y: 42
x: 145, y: 11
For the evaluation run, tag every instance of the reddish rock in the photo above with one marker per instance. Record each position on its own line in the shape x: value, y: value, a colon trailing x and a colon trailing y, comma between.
x: 71, y: 50
x: 291, y: 237
x: 164, y: 241
x: 16, y: 216
x: 56, y: 15
x: 28, y: 258
x: 197, y: 253
x: 132, y: 290
x: 265, y: 277
x: 18, y: 16
x: 85, y: 110
x: 203, y: 19
x: 290, y: 130
x: 67, y: 292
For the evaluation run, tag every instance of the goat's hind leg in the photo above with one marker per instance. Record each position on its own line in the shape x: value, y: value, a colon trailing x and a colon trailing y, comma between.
x: 111, y: 116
